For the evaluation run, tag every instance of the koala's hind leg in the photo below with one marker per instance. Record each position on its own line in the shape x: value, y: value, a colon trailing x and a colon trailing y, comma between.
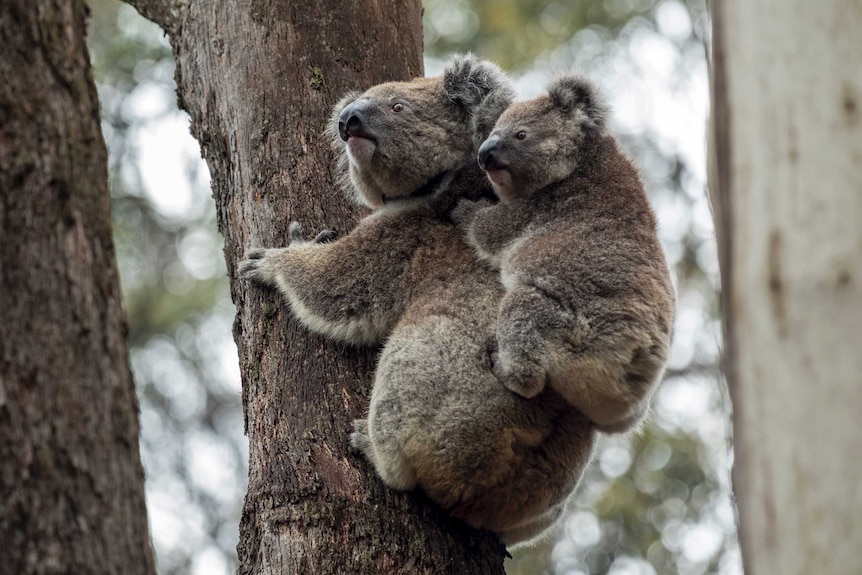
x: 528, y: 325
x: 386, y: 456
x: 613, y: 384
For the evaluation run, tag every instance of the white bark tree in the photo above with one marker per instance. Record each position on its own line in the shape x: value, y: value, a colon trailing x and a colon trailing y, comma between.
x: 787, y: 191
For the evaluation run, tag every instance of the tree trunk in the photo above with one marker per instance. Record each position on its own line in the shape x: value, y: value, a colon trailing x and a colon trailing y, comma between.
x: 71, y: 481
x: 259, y: 80
x: 788, y: 192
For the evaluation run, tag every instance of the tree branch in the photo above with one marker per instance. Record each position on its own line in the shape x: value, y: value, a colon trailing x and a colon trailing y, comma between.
x: 169, y: 14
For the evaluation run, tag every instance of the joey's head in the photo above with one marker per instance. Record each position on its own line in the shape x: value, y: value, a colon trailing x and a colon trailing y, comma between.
x: 538, y: 142
x: 399, y: 139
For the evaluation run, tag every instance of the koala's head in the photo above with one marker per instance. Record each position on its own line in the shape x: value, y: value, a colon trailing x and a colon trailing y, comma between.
x: 399, y: 138
x: 539, y: 142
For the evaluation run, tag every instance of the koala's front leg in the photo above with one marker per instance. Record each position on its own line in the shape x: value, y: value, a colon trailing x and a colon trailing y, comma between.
x: 332, y: 288
x: 527, y: 325
x: 490, y: 228
x: 268, y: 265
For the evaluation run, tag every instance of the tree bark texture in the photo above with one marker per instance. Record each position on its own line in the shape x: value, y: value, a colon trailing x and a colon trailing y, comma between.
x: 71, y: 481
x: 787, y: 94
x: 259, y: 80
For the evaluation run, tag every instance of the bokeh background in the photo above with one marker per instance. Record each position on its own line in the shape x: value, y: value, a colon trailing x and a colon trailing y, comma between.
x: 658, y: 502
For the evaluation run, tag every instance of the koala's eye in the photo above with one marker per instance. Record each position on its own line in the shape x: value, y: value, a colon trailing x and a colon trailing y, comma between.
x: 397, y: 107
x: 521, y: 135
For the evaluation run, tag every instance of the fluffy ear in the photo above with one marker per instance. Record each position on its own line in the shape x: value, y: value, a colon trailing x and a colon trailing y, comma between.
x: 577, y: 94
x: 484, y: 116
x: 480, y: 87
x: 467, y: 80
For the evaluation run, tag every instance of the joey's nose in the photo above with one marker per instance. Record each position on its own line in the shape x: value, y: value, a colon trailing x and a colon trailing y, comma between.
x: 489, y: 155
x: 353, y: 119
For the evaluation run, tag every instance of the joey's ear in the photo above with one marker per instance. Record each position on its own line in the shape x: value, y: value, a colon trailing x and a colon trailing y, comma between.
x: 577, y: 94
x: 480, y: 87
x: 467, y: 80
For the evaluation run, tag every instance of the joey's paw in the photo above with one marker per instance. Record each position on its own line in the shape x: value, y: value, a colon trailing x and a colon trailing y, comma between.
x: 524, y: 379
x: 296, y: 236
x: 360, y: 441
x: 466, y: 210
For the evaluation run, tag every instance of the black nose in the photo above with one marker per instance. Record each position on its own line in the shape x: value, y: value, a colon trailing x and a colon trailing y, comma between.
x: 353, y: 119
x: 489, y: 155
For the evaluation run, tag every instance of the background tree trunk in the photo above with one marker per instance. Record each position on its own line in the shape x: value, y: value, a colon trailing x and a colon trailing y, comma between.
x: 71, y: 482
x: 787, y: 112
x: 259, y: 80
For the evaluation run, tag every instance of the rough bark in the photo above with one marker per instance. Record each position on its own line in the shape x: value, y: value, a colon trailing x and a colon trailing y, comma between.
x: 71, y: 481
x: 788, y: 151
x: 259, y: 80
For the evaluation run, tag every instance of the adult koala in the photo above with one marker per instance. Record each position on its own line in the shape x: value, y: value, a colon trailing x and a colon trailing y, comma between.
x: 439, y: 419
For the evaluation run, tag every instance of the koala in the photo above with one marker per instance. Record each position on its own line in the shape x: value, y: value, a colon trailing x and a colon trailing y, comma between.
x: 589, y: 303
x: 439, y: 419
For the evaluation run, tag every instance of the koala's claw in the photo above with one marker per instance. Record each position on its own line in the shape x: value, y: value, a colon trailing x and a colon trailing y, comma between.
x: 325, y: 237
x: 247, y: 268
x: 255, y: 254
x: 294, y: 232
x: 253, y: 259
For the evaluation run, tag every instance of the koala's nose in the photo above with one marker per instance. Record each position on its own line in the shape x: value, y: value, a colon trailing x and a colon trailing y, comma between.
x: 353, y: 119
x: 489, y: 155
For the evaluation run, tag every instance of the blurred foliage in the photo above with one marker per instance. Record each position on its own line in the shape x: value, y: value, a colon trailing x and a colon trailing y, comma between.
x: 514, y: 33
x: 654, y: 502
x: 176, y: 298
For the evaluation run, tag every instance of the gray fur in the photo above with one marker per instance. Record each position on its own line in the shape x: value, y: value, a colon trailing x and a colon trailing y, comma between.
x: 438, y: 418
x: 589, y: 302
x: 481, y: 88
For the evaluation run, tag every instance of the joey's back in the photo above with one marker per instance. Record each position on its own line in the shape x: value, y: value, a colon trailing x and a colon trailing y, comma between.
x: 589, y: 301
x: 594, y: 231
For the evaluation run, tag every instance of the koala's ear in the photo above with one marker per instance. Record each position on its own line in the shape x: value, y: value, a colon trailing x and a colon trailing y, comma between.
x: 481, y: 88
x: 467, y: 80
x: 575, y: 93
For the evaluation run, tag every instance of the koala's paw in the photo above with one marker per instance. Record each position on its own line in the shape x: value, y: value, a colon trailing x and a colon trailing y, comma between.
x: 360, y: 440
x: 296, y: 237
x: 253, y: 266
x: 525, y: 378
x: 465, y: 212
